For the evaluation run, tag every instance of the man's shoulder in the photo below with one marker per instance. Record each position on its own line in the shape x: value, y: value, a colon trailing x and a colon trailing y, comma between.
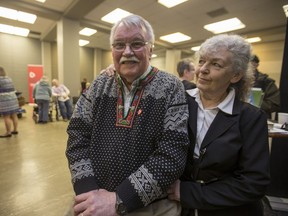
x: 188, y: 85
x: 168, y: 76
x: 263, y: 76
x: 103, y: 78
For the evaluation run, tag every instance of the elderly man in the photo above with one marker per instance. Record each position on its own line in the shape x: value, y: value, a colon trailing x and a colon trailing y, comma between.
x: 186, y: 70
x: 128, y: 134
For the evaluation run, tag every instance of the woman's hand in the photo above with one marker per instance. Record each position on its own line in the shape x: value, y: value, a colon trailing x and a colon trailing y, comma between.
x: 174, y: 191
x: 110, y: 70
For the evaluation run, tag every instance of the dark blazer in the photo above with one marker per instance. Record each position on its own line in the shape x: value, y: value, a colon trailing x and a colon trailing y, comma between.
x: 232, y: 173
x: 188, y: 85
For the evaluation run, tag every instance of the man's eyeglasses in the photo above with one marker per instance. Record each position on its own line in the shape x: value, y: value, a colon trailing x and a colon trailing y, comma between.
x: 134, y: 45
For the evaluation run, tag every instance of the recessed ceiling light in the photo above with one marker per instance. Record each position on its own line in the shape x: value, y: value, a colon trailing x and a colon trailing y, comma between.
x: 17, y: 15
x: 26, y: 17
x: 87, y: 31
x: 83, y: 42
x: 196, y: 48
x: 115, y: 15
x: 253, y: 40
x: 175, y: 37
x: 225, y: 26
x: 42, y: 1
x: 171, y: 3
x: 14, y: 30
x: 285, y: 8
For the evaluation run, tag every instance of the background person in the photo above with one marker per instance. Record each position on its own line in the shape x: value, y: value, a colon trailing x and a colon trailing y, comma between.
x: 122, y: 162
x: 186, y: 70
x: 61, y: 92
x: 9, y: 105
x: 83, y: 85
x: 227, y: 169
x: 271, y: 100
x: 42, y: 95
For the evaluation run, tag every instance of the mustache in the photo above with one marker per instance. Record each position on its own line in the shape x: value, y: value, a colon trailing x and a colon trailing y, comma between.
x: 133, y: 58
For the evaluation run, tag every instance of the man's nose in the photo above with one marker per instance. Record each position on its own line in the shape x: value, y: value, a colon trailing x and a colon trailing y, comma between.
x: 128, y: 50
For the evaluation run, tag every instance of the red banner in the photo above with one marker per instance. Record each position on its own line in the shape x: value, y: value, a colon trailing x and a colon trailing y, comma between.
x: 35, y: 73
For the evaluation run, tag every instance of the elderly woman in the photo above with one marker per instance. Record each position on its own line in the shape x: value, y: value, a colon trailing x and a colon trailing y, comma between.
x: 42, y: 94
x: 8, y: 104
x: 227, y: 169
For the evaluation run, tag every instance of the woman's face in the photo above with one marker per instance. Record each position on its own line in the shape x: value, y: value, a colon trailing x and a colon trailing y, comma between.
x: 214, y: 72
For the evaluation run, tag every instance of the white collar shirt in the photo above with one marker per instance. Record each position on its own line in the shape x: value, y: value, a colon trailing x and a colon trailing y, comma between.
x: 128, y: 95
x: 205, y: 117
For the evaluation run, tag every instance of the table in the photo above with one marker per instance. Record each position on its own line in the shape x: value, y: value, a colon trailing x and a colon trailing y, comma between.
x: 278, y: 135
x: 277, y: 191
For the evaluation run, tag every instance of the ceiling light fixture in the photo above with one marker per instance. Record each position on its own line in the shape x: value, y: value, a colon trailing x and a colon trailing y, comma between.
x: 285, y: 8
x: 87, y: 31
x: 225, y: 26
x: 196, y: 48
x: 253, y: 40
x: 17, y: 15
x: 154, y: 56
x: 171, y: 3
x: 8, y: 29
x: 26, y: 17
x: 83, y: 42
x: 175, y: 37
x: 115, y: 15
x: 42, y: 1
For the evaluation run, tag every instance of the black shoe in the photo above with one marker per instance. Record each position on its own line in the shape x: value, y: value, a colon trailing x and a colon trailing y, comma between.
x: 5, y: 136
x: 14, y: 132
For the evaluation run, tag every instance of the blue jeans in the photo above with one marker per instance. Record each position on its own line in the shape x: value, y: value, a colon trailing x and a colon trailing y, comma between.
x: 65, y: 109
x: 43, y: 110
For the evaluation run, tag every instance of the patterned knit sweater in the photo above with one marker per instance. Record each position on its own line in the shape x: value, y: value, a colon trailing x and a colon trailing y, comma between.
x: 137, y: 156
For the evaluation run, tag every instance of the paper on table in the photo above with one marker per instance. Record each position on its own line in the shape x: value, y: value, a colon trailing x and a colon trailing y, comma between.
x: 278, y: 130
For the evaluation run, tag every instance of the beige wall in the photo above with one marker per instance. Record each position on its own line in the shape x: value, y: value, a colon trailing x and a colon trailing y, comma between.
x: 159, y: 63
x: 86, y: 63
x: 16, y: 53
x: 271, y: 56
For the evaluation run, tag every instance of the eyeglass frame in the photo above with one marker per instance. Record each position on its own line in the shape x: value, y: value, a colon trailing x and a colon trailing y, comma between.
x: 129, y: 44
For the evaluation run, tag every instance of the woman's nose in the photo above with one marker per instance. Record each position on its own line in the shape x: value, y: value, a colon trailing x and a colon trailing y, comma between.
x: 205, y: 67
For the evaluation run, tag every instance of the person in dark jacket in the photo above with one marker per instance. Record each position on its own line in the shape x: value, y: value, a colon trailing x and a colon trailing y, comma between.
x: 42, y: 94
x: 227, y: 168
x: 271, y: 100
x: 186, y: 69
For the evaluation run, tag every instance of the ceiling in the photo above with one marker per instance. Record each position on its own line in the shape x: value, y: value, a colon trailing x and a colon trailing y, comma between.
x: 264, y: 18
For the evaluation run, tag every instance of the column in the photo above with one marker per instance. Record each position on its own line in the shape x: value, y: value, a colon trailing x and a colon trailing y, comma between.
x: 68, y: 54
x: 47, y: 59
x: 172, y: 58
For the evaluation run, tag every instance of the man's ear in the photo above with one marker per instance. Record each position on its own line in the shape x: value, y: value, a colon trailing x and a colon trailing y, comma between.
x: 236, y: 77
x: 185, y: 71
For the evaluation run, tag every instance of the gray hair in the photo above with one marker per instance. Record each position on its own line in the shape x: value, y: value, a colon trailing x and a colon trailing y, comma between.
x: 134, y: 21
x: 241, y: 55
